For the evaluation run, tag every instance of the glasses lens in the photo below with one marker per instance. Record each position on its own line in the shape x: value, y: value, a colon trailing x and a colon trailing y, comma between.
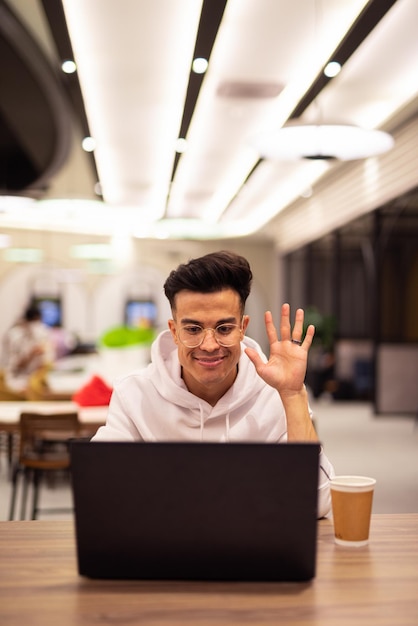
x: 191, y: 336
x: 225, y: 334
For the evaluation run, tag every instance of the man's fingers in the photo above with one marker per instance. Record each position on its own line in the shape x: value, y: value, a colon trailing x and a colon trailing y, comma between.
x: 254, y: 357
x: 270, y: 327
x: 285, y: 330
x: 287, y: 333
x: 310, y: 332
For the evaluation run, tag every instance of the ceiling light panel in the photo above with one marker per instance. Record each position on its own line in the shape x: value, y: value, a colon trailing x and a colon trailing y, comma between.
x: 247, y: 51
x: 72, y: 215
x: 272, y: 194
x: 133, y: 61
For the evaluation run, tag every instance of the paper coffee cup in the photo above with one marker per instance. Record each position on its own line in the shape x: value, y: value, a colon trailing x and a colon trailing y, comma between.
x: 352, y: 498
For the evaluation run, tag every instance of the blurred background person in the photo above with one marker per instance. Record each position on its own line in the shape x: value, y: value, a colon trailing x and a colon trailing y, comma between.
x: 28, y: 347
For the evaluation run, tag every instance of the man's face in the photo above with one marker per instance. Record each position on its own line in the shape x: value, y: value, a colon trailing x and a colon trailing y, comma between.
x: 210, y: 369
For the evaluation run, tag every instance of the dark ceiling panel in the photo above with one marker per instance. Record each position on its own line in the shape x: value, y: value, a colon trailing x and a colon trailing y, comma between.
x: 210, y: 19
x: 35, y: 121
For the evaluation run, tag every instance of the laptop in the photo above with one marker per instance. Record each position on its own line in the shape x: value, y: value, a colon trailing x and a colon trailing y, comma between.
x: 195, y: 511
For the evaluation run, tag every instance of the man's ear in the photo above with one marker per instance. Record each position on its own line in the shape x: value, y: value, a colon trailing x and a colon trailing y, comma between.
x: 172, y: 328
x: 245, y: 322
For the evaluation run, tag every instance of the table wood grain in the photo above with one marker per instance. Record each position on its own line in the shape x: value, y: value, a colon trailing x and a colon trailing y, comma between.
x: 376, y: 584
x: 90, y: 417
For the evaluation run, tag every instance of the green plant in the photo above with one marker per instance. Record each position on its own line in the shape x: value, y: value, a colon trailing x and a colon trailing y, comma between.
x: 123, y: 336
x: 325, y: 327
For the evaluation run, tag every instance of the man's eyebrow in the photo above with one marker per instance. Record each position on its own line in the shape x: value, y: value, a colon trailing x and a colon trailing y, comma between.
x: 189, y: 320
x: 226, y: 320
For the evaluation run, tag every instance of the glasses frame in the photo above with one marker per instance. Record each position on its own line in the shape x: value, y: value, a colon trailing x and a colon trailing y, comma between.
x: 213, y: 330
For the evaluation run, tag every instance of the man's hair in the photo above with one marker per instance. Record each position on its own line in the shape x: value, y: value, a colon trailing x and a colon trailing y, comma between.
x: 213, y: 272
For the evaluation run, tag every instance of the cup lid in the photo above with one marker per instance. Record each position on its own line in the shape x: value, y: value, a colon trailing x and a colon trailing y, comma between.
x: 352, y: 483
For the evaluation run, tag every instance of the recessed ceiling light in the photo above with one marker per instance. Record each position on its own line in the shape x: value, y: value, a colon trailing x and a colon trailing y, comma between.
x: 98, y: 189
x: 307, y: 192
x: 68, y: 66
x: 332, y: 69
x: 200, y: 65
x: 181, y: 145
x: 88, y: 144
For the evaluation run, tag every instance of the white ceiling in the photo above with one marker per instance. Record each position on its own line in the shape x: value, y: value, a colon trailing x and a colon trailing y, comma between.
x: 134, y: 60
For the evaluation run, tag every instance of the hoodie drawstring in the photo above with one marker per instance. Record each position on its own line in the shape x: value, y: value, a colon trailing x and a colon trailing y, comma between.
x: 202, y: 424
x: 227, y: 428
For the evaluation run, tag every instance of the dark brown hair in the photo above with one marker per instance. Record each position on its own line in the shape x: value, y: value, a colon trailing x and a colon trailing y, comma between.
x: 210, y: 273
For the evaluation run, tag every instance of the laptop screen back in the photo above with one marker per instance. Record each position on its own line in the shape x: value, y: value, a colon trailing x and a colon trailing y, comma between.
x: 203, y: 511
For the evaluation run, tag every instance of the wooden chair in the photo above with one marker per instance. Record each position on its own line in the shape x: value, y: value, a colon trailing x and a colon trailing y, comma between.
x: 43, y: 449
x: 7, y: 395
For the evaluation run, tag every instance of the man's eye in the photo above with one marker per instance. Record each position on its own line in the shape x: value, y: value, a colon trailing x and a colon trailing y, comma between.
x: 192, y: 330
x: 225, y: 329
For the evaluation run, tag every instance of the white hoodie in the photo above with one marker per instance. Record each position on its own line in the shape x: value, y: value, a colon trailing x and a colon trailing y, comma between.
x: 154, y: 404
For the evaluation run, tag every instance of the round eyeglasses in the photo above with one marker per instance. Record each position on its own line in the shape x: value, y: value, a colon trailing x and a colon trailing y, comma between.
x: 192, y: 335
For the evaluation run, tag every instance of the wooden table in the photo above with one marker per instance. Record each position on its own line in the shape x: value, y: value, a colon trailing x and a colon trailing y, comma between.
x: 10, y: 411
x: 89, y: 416
x: 377, y: 584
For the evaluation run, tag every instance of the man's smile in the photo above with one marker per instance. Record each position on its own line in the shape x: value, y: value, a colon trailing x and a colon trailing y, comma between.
x: 209, y: 361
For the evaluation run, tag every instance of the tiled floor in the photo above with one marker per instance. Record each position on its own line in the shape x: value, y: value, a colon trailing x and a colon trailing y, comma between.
x: 357, y: 442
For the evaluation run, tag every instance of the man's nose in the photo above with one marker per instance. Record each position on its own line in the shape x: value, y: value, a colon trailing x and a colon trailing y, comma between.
x: 209, y: 340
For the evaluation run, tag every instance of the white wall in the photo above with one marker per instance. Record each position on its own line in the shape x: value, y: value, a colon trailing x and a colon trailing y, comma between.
x: 397, y: 379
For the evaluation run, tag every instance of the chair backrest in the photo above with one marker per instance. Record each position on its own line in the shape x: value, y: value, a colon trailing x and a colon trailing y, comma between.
x: 34, y: 425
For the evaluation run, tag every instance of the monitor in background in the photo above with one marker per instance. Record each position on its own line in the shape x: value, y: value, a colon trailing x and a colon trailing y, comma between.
x: 50, y: 308
x: 140, y: 313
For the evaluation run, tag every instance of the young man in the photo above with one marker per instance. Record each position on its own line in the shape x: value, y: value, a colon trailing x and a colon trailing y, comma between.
x: 207, y: 381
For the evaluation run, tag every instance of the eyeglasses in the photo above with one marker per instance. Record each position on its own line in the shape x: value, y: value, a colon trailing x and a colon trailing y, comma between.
x: 192, y: 335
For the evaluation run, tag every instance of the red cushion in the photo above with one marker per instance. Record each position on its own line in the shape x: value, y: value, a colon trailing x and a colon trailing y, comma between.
x: 96, y: 392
